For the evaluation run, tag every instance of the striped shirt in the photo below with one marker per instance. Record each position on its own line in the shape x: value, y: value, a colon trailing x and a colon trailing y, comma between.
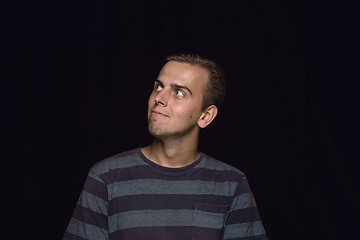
x: 127, y: 196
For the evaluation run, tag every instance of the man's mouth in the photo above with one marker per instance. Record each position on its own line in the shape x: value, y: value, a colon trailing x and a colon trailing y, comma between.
x: 157, y: 113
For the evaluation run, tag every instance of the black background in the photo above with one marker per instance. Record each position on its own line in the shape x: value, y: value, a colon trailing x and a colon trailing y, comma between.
x: 81, y: 71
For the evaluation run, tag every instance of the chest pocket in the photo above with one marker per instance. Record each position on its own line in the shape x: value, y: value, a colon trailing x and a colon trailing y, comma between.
x: 209, y: 221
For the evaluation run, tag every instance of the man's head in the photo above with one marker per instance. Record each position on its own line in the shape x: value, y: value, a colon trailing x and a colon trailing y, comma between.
x: 184, y: 98
x: 214, y: 92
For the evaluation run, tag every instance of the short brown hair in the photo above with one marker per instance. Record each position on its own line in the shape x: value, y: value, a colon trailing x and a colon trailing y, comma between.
x: 214, y: 93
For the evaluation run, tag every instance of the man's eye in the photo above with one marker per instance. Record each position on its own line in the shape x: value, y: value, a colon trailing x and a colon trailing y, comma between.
x: 158, y: 88
x: 180, y: 93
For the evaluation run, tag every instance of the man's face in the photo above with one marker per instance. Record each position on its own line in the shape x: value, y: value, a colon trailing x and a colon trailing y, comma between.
x: 175, y: 103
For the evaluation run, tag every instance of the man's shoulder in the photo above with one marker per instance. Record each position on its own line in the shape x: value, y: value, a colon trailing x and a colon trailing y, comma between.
x: 215, y: 164
x: 125, y: 159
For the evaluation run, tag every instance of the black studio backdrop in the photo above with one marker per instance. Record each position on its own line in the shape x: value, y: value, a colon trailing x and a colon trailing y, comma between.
x: 81, y: 73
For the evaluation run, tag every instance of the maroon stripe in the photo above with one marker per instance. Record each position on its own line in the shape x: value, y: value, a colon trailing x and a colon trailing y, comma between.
x: 207, y: 233
x: 168, y: 233
x: 259, y: 237
x: 162, y: 202
x: 96, y: 188
x: 243, y: 215
x: 87, y: 216
x: 243, y: 187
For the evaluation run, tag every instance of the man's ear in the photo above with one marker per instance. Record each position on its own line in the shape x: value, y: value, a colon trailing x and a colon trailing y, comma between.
x: 207, y: 116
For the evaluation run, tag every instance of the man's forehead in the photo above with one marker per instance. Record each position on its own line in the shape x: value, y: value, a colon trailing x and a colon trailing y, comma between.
x: 184, y: 72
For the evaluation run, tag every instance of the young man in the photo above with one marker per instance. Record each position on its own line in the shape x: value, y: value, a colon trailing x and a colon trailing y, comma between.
x: 168, y: 190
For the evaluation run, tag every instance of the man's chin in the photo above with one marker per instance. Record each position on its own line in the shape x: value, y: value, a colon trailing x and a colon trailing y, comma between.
x: 157, y: 133
x: 160, y: 134
x: 163, y: 134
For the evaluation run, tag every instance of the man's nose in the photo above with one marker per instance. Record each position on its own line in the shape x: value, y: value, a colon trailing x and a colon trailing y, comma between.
x: 162, y: 98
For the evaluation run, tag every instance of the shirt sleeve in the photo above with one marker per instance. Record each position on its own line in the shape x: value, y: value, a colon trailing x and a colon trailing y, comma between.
x: 243, y: 221
x: 89, y: 220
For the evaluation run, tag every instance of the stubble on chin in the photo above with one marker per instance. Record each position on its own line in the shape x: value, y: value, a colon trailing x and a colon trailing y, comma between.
x: 155, y: 132
x: 163, y: 134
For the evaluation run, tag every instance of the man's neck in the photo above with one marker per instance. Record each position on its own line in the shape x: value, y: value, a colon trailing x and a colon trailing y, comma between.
x: 173, y: 154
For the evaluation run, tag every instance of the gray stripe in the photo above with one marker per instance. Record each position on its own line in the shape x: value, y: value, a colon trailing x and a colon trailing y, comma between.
x: 93, y: 203
x: 213, y: 164
x: 155, y: 186
x: 86, y: 231
x: 118, y: 162
x: 244, y: 230
x: 209, y: 220
x: 242, y: 201
x: 150, y: 218
x: 162, y: 218
x: 96, y: 177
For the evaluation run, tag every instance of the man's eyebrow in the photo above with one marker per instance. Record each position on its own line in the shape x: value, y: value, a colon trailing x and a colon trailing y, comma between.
x: 174, y: 85
x: 177, y: 86
x: 159, y: 82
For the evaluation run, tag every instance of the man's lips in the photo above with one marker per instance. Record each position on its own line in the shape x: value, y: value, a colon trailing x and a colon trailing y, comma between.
x: 157, y: 113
